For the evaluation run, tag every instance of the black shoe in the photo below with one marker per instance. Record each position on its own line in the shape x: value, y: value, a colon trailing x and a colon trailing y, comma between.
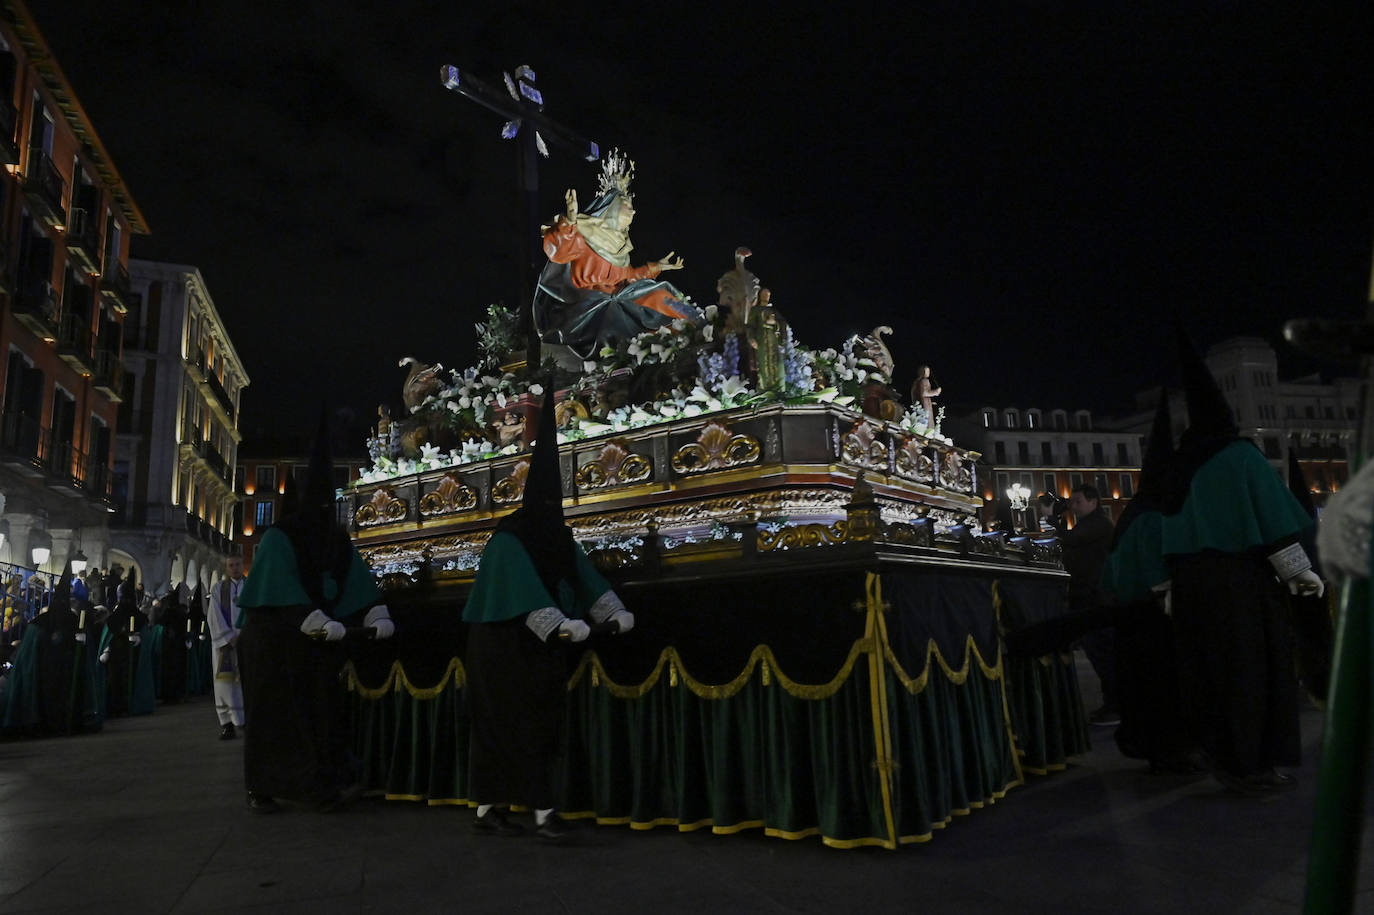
x: 261, y: 803
x: 494, y: 823
x: 554, y: 831
x: 227, y: 732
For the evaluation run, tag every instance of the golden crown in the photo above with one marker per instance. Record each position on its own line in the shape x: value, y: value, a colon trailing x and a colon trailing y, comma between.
x: 617, y: 171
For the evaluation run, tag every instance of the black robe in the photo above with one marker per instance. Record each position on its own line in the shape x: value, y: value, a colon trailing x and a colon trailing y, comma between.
x: 173, y: 617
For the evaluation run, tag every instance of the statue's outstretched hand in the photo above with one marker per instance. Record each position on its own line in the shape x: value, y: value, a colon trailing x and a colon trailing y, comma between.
x: 570, y: 203
x: 667, y: 262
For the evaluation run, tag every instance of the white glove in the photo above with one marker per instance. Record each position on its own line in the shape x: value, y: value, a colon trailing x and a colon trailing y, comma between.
x: 625, y: 618
x: 379, y: 618
x: 81, y: 638
x: 135, y: 638
x: 1165, y: 592
x: 188, y: 644
x: 319, y: 621
x: 1343, y: 535
x: 576, y: 629
x: 1306, y: 583
x: 104, y: 656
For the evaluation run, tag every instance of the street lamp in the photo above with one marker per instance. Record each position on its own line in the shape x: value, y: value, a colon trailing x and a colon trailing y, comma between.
x: 40, y: 548
x: 1019, y: 496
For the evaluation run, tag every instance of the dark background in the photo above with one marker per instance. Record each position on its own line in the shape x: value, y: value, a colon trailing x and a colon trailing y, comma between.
x: 1025, y: 197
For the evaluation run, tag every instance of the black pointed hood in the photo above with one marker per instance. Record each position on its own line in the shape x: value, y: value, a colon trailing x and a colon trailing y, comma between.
x: 1155, y: 490
x: 544, y: 485
x: 1209, y: 415
x: 1159, y: 451
x: 323, y: 550
x: 1211, y: 424
x: 538, y: 523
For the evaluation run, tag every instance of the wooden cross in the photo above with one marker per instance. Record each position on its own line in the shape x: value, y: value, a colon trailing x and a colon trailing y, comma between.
x: 523, y: 105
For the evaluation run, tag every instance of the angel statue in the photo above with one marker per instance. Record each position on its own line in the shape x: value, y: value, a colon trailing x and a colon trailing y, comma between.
x: 588, y: 293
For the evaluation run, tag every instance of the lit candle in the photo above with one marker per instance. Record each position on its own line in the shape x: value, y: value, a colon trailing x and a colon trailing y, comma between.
x: 188, y: 625
x: 81, y: 620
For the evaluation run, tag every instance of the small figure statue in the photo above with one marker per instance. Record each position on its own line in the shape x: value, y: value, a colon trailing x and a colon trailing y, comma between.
x: 588, y: 293
x: 512, y: 429
x: 383, y: 423
x: 738, y: 293
x: 924, y: 391
x: 422, y: 381
x: 767, y: 334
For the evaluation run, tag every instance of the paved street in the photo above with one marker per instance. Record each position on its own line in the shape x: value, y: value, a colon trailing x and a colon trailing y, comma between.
x: 148, y: 816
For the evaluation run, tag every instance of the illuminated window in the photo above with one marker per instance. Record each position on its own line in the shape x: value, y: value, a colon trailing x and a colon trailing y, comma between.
x: 262, y: 516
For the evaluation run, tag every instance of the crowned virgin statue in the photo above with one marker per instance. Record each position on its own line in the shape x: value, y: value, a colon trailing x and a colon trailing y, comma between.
x: 588, y: 293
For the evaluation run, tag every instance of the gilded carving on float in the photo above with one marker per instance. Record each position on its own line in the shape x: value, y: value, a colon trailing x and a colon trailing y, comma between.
x: 914, y: 460
x: 800, y: 536
x: 861, y: 446
x: 715, y: 448
x: 954, y: 472
x: 512, y: 488
x: 615, y: 465
x: 449, y: 497
x: 382, y: 508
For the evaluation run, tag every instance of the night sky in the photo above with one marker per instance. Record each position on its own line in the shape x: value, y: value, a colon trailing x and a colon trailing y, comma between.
x: 1024, y: 197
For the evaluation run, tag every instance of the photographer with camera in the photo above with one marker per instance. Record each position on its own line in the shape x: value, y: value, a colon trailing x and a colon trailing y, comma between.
x: 1086, y: 546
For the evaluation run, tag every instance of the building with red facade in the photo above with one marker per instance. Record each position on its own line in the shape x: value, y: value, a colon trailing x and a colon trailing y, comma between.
x: 66, y: 218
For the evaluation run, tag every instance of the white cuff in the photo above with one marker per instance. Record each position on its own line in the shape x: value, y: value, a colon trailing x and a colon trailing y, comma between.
x: 1290, y: 561
x: 378, y: 612
x: 544, y: 622
x: 606, y: 605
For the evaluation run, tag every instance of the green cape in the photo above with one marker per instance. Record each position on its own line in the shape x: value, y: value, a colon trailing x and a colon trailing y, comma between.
x: 276, y: 582
x: 1236, y: 502
x: 508, y: 586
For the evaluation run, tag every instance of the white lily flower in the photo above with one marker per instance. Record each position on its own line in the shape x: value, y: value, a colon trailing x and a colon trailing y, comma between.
x: 537, y: 389
x: 708, y: 332
x: 732, y: 387
x: 691, y: 410
x: 666, y: 330
x: 453, y: 406
x: 710, y: 311
x: 465, y: 402
x: 589, y: 366
x: 668, y: 409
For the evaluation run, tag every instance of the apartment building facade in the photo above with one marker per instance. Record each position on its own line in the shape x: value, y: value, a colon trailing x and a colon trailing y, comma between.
x: 178, y: 431
x: 66, y: 218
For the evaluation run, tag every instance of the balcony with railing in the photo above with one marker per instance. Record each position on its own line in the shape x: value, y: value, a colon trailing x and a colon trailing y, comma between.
x: 22, y: 441
x: 221, y: 397
x: 109, y: 375
x: 44, y: 187
x: 66, y: 466
x: 35, y: 305
x: 74, y: 343
x: 83, y: 239
x: 195, y: 363
x: 114, y: 285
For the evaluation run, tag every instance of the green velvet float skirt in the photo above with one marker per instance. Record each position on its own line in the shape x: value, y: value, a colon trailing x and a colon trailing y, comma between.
x: 871, y: 713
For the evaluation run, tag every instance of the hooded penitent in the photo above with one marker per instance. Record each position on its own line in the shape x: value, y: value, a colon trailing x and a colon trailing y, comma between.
x: 538, y: 523
x: 323, y: 550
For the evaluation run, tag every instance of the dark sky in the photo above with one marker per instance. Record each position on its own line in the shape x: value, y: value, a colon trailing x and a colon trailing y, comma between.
x: 1021, y: 195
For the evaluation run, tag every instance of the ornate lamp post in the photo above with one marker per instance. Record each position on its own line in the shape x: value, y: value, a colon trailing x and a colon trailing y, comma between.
x: 1019, y: 496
